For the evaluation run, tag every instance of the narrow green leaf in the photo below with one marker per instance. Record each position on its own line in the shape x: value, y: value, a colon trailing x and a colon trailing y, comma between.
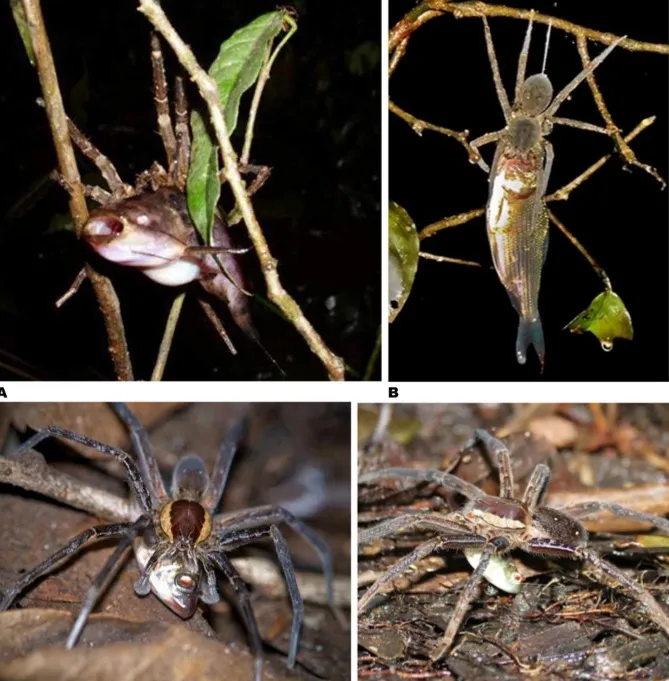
x: 402, y: 257
x: 24, y: 31
x: 607, y: 318
x: 240, y: 59
x: 204, y: 187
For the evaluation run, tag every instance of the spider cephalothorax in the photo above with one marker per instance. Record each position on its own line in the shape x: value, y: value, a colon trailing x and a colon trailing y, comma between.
x: 179, y: 540
x: 487, y: 528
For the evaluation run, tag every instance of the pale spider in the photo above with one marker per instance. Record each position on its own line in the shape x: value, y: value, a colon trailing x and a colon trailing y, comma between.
x: 488, y: 527
x: 148, y: 226
x: 178, y: 539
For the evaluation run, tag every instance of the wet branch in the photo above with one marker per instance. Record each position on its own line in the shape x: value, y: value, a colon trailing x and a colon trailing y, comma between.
x: 104, y: 291
x: 209, y: 92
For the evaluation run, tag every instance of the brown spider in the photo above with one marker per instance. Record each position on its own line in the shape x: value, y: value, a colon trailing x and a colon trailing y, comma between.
x: 178, y: 539
x: 148, y: 226
x: 487, y: 528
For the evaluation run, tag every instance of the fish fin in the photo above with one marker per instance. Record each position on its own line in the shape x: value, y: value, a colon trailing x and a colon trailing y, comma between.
x: 530, y: 333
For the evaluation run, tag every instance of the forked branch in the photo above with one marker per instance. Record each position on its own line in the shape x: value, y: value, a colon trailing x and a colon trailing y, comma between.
x: 209, y: 92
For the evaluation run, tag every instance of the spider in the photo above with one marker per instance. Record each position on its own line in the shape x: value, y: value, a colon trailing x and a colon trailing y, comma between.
x: 487, y: 528
x: 148, y: 226
x: 178, y: 539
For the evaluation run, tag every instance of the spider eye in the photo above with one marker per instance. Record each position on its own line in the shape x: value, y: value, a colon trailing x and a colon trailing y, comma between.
x: 185, y: 581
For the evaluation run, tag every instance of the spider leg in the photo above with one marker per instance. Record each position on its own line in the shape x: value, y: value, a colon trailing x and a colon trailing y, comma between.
x: 134, y: 475
x: 427, y: 521
x: 522, y: 63
x: 588, y: 508
x: 147, y: 461
x: 286, y: 562
x: 499, y: 86
x: 91, y: 534
x: 582, y: 125
x: 608, y: 574
x: 223, y: 563
x: 536, y: 486
x: 104, y: 165
x: 485, y: 139
x: 226, y: 526
x: 162, y: 103
x: 226, y: 455
x: 492, y: 446
x: 183, y: 135
x: 426, y: 475
x: 567, y: 90
x: 101, y: 581
x: 421, y: 551
x: 261, y: 173
x: 463, y: 604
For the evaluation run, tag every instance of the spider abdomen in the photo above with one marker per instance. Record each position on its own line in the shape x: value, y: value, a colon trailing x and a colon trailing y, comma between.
x: 185, y: 520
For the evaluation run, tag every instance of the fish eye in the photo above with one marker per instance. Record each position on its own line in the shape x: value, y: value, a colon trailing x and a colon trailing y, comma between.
x: 184, y: 581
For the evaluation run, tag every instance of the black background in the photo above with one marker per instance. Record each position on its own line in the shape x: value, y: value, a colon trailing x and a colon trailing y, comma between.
x: 318, y: 127
x: 458, y: 323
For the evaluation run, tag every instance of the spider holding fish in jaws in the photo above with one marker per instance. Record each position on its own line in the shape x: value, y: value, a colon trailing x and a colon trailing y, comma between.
x: 148, y: 227
x: 179, y: 540
x: 487, y: 528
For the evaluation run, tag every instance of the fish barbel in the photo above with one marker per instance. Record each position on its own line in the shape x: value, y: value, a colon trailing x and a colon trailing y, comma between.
x: 517, y: 226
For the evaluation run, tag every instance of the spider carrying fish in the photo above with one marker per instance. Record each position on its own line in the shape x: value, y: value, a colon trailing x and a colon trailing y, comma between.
x: 518, y: 178
x: 148, y: 227
x: 179, y: 540
x: 488, y: 528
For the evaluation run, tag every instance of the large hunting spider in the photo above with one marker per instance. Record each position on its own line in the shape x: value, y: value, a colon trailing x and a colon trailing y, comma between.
x: 486, y: 528
x: 148, y: 226
x: 179, y: 540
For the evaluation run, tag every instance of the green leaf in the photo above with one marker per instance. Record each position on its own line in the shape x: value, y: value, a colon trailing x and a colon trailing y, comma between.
x: 402, y: 258
x: 240, y: 59
x: 607, y: 318
x: 204, y: 187
x: 24, y: 30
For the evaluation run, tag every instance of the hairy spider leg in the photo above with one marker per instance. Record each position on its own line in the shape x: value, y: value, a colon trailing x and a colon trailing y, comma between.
x: 536, y: 486
x: 162, y: 103
x: 226, y: 525
x: 588, y: 508
x: 522, y: 60
x: 465, y: 541
x: 493, y: 447
x: 499, y: 86
x: 465, y: 599
x: 90, y: 534
x: 134, y: 475
x: 182, y: 134
x: 446, y: 480
x: 147, y: 461
x: 224, y: 564
x: 224, y: 460
x: 104, y: 576
x: 607, y: 574
x: 421, y: 521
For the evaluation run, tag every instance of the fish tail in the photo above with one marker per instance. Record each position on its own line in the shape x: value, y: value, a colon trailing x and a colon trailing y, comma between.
x: 530, y: 333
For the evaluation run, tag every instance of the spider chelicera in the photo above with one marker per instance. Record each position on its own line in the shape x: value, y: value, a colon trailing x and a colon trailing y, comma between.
x: 179, y: 541
x: 486, y: 528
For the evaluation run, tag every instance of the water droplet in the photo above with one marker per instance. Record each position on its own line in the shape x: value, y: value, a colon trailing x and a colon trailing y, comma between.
x: 607, y: 345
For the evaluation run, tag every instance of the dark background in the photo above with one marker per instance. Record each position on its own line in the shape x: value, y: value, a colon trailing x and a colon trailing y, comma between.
x: 458, y: 323
x: 318, y: 127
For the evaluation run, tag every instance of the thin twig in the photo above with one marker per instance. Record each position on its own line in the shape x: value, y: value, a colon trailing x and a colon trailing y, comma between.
x: 31, y: 473
x: 369, y: 369
x: 418, y: 126
x: 104, y: 291
x: 168, y: 337
x: 623, y: 148
x: 209, y: 92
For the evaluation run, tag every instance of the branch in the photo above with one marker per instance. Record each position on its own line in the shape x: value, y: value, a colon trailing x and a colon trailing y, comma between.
x: 209, y: 92
x: 31, y: 473
x: 104, y: 291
